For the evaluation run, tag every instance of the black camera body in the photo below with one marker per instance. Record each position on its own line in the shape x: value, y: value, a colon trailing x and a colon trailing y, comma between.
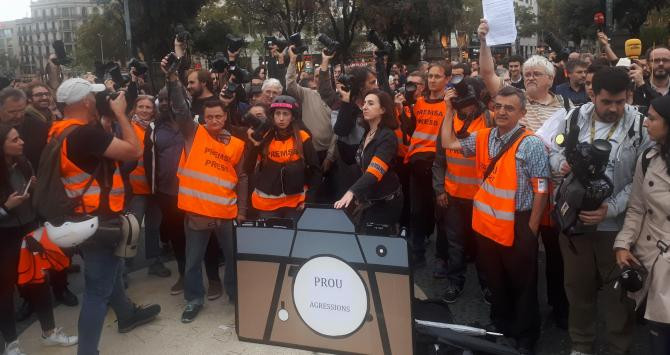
x: 219, y: 63
x: 409, y: 91
x: 172, y: 62
x: 182, y: 35
x: 296, y: 41
x: 230, y: 90
x: 331, y: 45
x: 467, y: 96
x: 61, y: 55
x: 139, y: 67
x: 383, y: 47
x: 102, y: 99
x: 631, y: 279
x: 346, y: 80
x: 260, y: 126
x: 234, y: 43
x: 274, y: 41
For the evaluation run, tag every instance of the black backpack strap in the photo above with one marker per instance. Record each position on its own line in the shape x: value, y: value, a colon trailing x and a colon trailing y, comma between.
x: 566, y: 103
x: 645, y: 161
x: 502, y: 151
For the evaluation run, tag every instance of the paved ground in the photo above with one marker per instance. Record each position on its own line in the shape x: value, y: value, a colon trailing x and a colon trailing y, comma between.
x: 213, y: 331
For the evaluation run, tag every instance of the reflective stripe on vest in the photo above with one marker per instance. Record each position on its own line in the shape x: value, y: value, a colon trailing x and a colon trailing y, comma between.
x: 429, y: 118
x: 402, y: 146
x: 207, y: 176
x: 137, y: 177
x: 280, y: 152
x: 494, y: 203
x: 460, y: 178
x: 75, y: 179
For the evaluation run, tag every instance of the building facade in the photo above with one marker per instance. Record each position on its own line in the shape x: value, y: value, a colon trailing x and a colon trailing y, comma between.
x: 50, y: 20
x: 526, y: 46
x: 9, y: 47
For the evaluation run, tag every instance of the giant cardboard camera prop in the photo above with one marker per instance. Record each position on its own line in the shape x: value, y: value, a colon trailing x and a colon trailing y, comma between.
x: 320, y: 286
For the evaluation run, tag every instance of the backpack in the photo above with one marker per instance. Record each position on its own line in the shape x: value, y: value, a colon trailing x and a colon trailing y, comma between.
x: 49, y: 198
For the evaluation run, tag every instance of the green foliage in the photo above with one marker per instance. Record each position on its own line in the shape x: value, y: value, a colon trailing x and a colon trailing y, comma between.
x: 110, y: 26
x: 342, y: 26
x: 268, y: 16
x: 526, y: 21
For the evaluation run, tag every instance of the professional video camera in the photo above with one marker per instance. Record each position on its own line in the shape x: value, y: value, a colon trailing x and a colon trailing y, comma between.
x: 383, y: 47
x: 331, y: 45
x: 140, y: 68
x: 272, y: 40
x: 587, y: 186
x: 234, y: 43
x: 467, y: 94
x: 61, y: 56
x: 260, y: 126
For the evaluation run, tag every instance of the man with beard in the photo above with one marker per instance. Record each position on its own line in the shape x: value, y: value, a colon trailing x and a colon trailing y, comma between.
x: 200, y: 87
x: 13, y: 103
x: 39, y: 102
x: 514, y: 67
x: 659, y: 82
x: 574, y: 89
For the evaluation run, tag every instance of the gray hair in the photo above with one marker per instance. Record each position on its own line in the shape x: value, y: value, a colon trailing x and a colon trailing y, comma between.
x: 512, y: 91
x: 272, y: 82
x: 540, y: 61
x: 14, y: 94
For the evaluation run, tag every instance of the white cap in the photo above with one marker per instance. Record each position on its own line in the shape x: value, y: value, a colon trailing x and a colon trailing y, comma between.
x: 74, y: 90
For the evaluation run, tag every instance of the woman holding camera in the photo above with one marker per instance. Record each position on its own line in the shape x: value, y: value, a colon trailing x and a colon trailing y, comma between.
x: 644, y: 242
x: 377, y: 190
x: 17, y: 219
x: 288, y: 165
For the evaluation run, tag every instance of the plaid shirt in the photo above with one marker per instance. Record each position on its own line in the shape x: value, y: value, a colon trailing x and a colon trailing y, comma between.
x: 532, y: 161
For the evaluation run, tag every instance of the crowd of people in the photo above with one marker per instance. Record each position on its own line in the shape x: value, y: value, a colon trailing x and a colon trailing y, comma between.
x: 477, y: 153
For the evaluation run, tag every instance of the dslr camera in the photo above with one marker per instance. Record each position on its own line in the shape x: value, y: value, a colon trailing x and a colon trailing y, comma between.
x: 274, y: 41
x: 408, y: 90
x: 61, y: 56
x: 234, y: 43
x: 383, y: 47
x: 296, y: 41
x: 182, y: 35
x: 346, y: 80
x: 467, y: 95
x: 230, y: 90
x: 587, y: 186
x: 260, y: 126
x: 140, y: 68
x: 219, y: 63
x: 331, y: 45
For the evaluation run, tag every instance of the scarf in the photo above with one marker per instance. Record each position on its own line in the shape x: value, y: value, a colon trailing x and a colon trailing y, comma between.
x: 142, y: 123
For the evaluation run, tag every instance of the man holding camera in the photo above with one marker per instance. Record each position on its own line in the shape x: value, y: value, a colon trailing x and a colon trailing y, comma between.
x: 512, y: 168
x: 589, y: 259
x: 88, y: 156
x: 455, y: 183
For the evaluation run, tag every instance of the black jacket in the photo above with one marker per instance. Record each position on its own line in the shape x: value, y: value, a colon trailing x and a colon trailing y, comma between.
x: 383, y: 146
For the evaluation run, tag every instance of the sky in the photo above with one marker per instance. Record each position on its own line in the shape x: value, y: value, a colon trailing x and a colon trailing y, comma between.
x: 14, y: 9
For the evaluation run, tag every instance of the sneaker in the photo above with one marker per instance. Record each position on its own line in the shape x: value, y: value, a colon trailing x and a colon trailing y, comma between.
x: 487, y: 295
x: 190, y: 312
x: 214, y: 290
x: 67, y: 298
x: 178, y: 286
x: 13, y: 349
x: 158, y: 269
x: 452, y: 293
x: 59, y: 338
x: 25, y: 311
x: 142, y: 315
x: 440, y: 270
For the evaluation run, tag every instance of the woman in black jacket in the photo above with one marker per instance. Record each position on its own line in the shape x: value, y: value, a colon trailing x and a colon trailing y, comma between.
x: 377, y: 190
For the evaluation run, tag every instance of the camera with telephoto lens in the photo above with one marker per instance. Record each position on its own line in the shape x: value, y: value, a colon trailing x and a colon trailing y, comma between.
x: 140, y: 68
x: 102, y: 99
x: 408, y: 91
x: 230, y: 90
x: 260, y: 126
x: 295, y: 40
x: 466, y: 94
x: 274, y: 41
x: 234, y: 43
x: 331, y: 45
x: 383, y: 47
x: 587, y: 186
x: 219, y: 63
x: 346, y: 80
x: 61, y: 56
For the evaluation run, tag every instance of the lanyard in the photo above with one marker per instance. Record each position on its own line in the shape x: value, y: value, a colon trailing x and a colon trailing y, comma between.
x: 609, y: 134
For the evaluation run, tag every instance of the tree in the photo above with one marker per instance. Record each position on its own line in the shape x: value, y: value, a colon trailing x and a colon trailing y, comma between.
x: 214, y: 24
x: 343, y: 23
x: 286, y: 17
x: 107, y: 28
x: 632, y: 14
x: 526, y: 21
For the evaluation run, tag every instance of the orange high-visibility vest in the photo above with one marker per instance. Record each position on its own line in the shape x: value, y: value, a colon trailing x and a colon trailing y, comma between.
x: 207, y: 176
x: 33, y: 264
x: 460, y: 177
x: 75, y: 179
x: 402, y: 147
x: 494, y: 203
x: 280, y: 152
x: 138, y: 177
x: 429, y: 118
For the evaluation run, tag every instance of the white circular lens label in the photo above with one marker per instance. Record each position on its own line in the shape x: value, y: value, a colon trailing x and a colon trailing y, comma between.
x: 330, y: 296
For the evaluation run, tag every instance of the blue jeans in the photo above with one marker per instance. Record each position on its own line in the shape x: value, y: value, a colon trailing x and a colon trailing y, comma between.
x: 146, y: 207
x: 102, y: 275
x: 196, y: 246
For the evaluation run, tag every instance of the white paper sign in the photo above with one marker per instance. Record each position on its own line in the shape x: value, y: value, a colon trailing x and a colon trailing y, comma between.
x: 502, y: 23
x: 330, y: 296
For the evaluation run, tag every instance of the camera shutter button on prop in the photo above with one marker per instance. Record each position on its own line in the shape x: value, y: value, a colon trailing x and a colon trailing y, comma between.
x: 282, y: 313
x: 381, y: 250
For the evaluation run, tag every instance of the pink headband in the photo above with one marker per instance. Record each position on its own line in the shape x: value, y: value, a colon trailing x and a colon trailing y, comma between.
x: 281, y: 105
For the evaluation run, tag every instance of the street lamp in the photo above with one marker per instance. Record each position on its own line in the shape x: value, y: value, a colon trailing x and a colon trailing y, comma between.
x: 102, y: 54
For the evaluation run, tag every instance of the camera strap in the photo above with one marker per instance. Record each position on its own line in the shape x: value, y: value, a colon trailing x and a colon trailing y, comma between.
x: 505, y: 148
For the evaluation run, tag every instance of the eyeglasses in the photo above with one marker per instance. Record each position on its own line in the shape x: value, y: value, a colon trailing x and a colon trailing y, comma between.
x: 535, y: 74
x: 507, y: 108
x: 661, y: 60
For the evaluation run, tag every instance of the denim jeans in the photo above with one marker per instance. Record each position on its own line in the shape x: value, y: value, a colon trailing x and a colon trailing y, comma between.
x: 196, y: 246
x: 103, y: 286
x: 146, y: 207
